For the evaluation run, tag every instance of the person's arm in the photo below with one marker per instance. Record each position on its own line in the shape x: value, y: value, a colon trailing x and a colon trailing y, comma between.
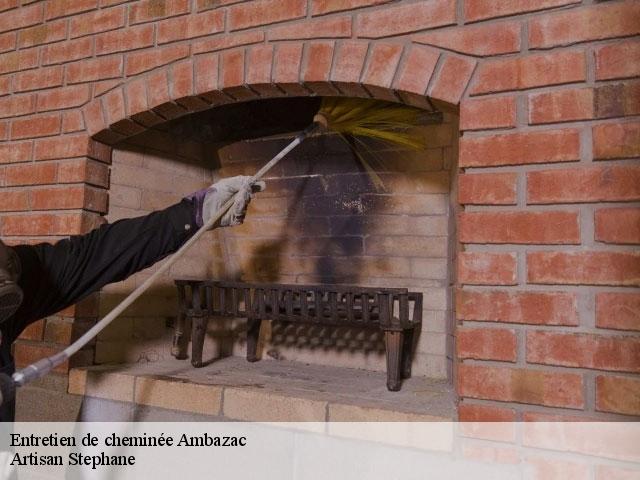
x: 59, y: 275
x: 56, y: 276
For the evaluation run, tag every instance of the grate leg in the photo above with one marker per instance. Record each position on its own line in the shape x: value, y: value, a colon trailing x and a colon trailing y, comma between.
x: 407, y: 352
x: 253, y: 335
x: 394, y: 341
x: 180, y: 337
x: 198, y: 332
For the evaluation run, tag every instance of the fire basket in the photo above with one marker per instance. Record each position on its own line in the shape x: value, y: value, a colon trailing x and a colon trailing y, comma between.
x: 395, y: 311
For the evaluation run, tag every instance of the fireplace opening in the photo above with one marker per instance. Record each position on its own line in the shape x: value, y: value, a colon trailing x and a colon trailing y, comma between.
x: 324, y: 219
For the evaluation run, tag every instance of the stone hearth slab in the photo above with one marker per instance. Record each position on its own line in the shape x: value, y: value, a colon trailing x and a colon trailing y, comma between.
x: 234, y: 389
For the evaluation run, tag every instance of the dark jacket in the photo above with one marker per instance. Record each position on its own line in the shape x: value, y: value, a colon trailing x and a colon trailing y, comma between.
x: 59, y: 275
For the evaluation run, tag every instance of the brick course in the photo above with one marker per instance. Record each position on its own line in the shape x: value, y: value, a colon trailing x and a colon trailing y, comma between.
x: 548, y: 96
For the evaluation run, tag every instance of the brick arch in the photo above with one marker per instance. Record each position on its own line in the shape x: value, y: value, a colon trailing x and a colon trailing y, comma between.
x: 407, y: 73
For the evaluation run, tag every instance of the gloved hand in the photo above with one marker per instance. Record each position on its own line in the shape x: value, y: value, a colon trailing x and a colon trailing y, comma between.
x: 209, y: 200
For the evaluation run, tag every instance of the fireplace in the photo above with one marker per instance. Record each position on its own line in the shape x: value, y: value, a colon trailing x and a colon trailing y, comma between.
x: 322, y: 220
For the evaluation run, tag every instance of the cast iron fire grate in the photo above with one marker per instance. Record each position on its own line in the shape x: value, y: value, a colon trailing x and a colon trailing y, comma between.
x: 395, y: 311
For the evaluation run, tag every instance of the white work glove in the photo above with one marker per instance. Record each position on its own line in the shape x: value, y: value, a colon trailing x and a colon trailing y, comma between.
x: 210, y: 200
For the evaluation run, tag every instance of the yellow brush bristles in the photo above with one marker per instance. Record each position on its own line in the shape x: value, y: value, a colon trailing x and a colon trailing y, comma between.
x: 353, y: 118
x: 385, y: 121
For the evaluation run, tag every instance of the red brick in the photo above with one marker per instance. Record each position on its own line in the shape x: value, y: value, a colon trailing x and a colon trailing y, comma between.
x: 18, y: 60
x: 32, y: 127
x: 521, y: 386
x: 94, y: 69
x: 259, y: 64
x: 66, y: 97
x: 584, y: 350
x: 96, y: 22
x: 487, y: 113
x: 561, y: 106
x: 62, y: 8
x: 14, y: 200
x: 618, y: 311
x: 588, y: 184
x: 5, y: 85
x: 67, y: 51
x: 618, y: 60
x: 332, y: 27
x: 348, y: 65
x: 138, y: 62
x: 209, y: 4
x: 319, y: 57
x: 60, y: 331
x: 478, y: 40
x: 487, y: 189
x: 226, y: 41
x: 16, y: 152
x: 481, y: 9
x: 31, y: 174
x: 469, y: 412
x: 616, y: 140
x: 181, y: 79
x: 618, y: 225
x: 618, y: 394
x: 486, y: 344
x: 28, y: 353
x: 520, y: 148
x: 382, y: 65
x: 537, y: 70
x: 617, y: 100
x: 584, y: 268
x: 8, y: 4
x: 475, y: 268
x: 264, y: 12
x: 45, y: 33
x: 94, y: 117
x: 149, y: 10
x: 400, y: 19
x: 17, y: 105
x: 414, y: 75
x: 8, y: 41
x: 83, y: 171
x: 34, y: 331
x: 232, y: 69
x: 113, y: 103
x: 533, y: 308
x: 69, y: 197
x: 190, y: 26
x: 546, y: 227
x: 595, y: 22
x: 287, y: 67
x: 124, y: 40
x: 21, y: 18
x: 157, y: 88
x: 206, y: 74
x: 66, y: 146
x: 38, y: 79
x: 72, y: 121
x: 322, y: 7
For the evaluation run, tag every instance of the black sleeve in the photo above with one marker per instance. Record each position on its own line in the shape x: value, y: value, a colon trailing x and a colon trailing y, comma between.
x: 59, y: 275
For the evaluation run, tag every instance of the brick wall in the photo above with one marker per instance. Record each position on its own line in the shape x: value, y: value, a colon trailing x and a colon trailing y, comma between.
x: 548, y: 193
